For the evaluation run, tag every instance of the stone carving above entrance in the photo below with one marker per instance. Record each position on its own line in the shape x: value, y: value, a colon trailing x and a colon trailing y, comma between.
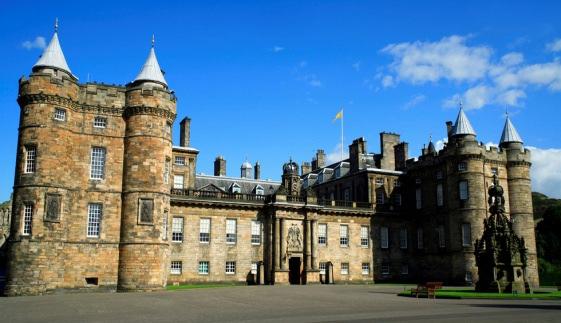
x: 294, y: 239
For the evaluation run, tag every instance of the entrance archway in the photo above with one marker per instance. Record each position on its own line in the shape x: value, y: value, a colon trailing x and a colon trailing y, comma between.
x: 294, y: 270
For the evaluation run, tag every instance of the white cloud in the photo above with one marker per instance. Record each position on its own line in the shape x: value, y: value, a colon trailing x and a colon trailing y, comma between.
x: 417, y: 99
x: 439, y: 144
x: 488, y: 81
x: 449, y: 58
x: 335, y: 154
x: 554, y: 46
x: 356, y: 66
x: 545, y: 171
x: 277, y: 49
x: 39, y: 42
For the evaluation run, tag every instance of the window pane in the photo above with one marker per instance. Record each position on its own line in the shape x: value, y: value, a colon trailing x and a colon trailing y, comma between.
x: 177, y: 229
x: 178, y: 181
x: 322, y: 268
x: 439, y: 195
x: 463, y: 186
x: 255, y: 232
x: 180, y: 160
x: 203, y: 267
x: 176, y: 267
x: 100, y: 122
x: 230, y: 267
x: 322, y: 233
x: 384, y: 238
x: 364, y: 236
x: 345, y: 268
x: 403, y: 238
x: 419, y: 238
x: 204, y: 230
x: 418, y: 198
x: 344, y: 235
x: 27, y: 219
x: 94, y: 220
x: 365, y: 268
x: 30, y: 159
x: 97, y: 163
x: 230, y: 231
x: 466, y: 235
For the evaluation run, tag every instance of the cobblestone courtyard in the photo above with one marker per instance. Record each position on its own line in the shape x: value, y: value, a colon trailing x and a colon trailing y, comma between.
x: 270, y: 304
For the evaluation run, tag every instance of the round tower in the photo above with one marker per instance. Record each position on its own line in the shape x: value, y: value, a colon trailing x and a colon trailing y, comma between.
x: 520, y: 195
x: 150, y: 111
x: 46, y: 126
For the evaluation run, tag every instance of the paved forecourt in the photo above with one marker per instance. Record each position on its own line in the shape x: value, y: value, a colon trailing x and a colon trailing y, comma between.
x: 318, y: 303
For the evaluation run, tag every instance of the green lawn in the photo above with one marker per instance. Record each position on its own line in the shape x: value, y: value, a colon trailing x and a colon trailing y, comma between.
x: 470, y: 293
x: 196, y: 286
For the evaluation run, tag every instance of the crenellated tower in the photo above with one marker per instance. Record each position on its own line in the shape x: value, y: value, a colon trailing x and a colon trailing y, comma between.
x: 518, y: 162
x: 149, y: 113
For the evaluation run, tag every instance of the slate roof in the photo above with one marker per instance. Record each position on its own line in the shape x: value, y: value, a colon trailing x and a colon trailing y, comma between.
x: 462, y: 125
x: 223, y: 183
x: 53, y: 56
x: 151, y: 70
x: 509, y: 133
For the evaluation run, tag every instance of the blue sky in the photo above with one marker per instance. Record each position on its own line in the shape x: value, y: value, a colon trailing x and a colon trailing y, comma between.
x: 264, y: 80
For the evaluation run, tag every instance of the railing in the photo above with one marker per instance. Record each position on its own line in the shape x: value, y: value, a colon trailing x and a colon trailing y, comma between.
x: 344, y: 204
x: 214, y: 195
x: 295, y: 199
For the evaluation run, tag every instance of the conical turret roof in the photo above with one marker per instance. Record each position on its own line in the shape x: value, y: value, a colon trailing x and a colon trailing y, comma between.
x: 462, y: 125
x: 509, y: 133
x: 52, y: 55
x: 151, y: 70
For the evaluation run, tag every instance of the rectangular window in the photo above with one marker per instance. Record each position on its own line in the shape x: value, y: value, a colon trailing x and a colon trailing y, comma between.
x: 403, y: 238
x: 230, y: 267
x: 180, y: 160
x: 255, y: 232
x: 462, y: 166
x: 439, y: 174
x: 176, y: 267
x: 166, y: 170
x: 27, y: 219
x: 384, y: 238
x: 322, y: 266
x: 95, y: 212
x: 344, y: 235
x: 405, y: 269
x: 364, y: 236
x: 418, y: 181
x: 441, y: 238
x: 322, y: 234
x: 165, y: 226
x: 231, y: 231
x: 463, y: 187
x: 420, y: 242
x: 439, y: 195
x: 397, y: 199
x: 494, y: 171
x: 344, y: 268
x: 254, y: 266
x: 30, y: 159
x: 178, y: 181
x: 365, y: 268
x: 100, y: 122
x: 466, y: 235
x: 203, y: 267
x: 97, y: 166
x: 60, y: 114
x: 379, y: 196
x: 385, y: 269
x: 204, y: 230
x: 397, y: 183
x: 418, y: 198
x: 177, y: 229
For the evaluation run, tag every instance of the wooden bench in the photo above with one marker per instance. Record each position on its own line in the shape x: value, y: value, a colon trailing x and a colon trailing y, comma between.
x: 428, y: 288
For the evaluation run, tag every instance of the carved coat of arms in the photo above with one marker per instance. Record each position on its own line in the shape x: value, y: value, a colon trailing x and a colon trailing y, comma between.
x: 294, y: 239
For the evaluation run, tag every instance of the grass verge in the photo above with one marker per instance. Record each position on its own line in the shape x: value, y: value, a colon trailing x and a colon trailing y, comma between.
x: 467, y: 294
x: 198, y: 286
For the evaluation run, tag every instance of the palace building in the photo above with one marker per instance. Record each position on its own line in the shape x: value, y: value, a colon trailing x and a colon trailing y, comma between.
x: 104, y: 200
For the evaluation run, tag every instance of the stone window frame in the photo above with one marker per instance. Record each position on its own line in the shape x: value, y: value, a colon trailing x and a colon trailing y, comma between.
x: 176, y: 183
x: 255, y: 232
x: 254, y: 266
x: 420, y: 239
x: 463, y: 190
x: 384, y: 237
x: 165, y: 218
x: 58, y: 219
x: 418, y: 198
x: 397, y: 199
x: 385, y: 269
x: 204, y: 231
x: 466, y: 234
x: 322, y: 268
x: 30, y: 158
x: 60, y: 114
x: 230, y: 267
x: 344, y: 235
x: 93, y: 223
x: 176, y: 267
x: 167, y: 169
x: 462, y: 166
x: 365, y: 238
x: 177, y: 235
x: 439, y: 175
x: 27, y: 213
x: 100, y: 122
x: 365, y: 268
x: 403, y: 238
x: 98, y: 160
x: 345, y: 268
x: 380, y: 196
x: 204, y: 267
x: 439, y: 194
x: 322, y: 234
x: 404, y: 269
x: 232, y: 236
x: 441, y: 235
x: 180, y: 160
x: 495, y: 171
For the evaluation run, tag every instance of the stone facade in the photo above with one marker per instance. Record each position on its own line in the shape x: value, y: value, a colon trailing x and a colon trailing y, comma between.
x: 103, y: 200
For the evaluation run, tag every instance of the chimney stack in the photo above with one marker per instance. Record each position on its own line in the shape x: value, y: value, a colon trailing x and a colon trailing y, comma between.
x: 185, y: 132
x: 257, y: 170
x: 306, y: 168
x: 219, y: 166
x: 319, y: 160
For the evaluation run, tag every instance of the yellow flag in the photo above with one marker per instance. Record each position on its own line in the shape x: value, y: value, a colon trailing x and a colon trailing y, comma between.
x: 339, y: 115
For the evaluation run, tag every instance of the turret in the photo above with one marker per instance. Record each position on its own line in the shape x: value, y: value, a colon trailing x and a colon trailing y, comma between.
x: 291, y: 178
x: 462, y: 129
x: 520, y: 194
x: 246, y: 170
x: 150, y: 111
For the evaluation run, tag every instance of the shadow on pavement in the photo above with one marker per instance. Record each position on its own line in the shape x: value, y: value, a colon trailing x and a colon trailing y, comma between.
x: 521, y: 306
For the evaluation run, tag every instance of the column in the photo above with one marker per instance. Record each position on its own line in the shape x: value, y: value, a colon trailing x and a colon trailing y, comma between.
x: 282, y: 244
x: 314, y: 244
x: 277, y: 244
x: 270, y: 248
x: 308, y: 246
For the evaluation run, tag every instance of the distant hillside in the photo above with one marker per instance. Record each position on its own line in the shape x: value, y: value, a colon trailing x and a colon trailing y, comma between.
x: 547, y: 212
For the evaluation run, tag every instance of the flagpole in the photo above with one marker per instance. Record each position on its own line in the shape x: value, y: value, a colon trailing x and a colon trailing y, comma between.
x: 342, y: 117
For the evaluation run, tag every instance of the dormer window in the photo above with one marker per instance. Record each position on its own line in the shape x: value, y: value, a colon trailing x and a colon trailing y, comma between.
x: 60, y: 114
x: 259, y: 190
x: 235, y: 188
x: 337, y: 172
